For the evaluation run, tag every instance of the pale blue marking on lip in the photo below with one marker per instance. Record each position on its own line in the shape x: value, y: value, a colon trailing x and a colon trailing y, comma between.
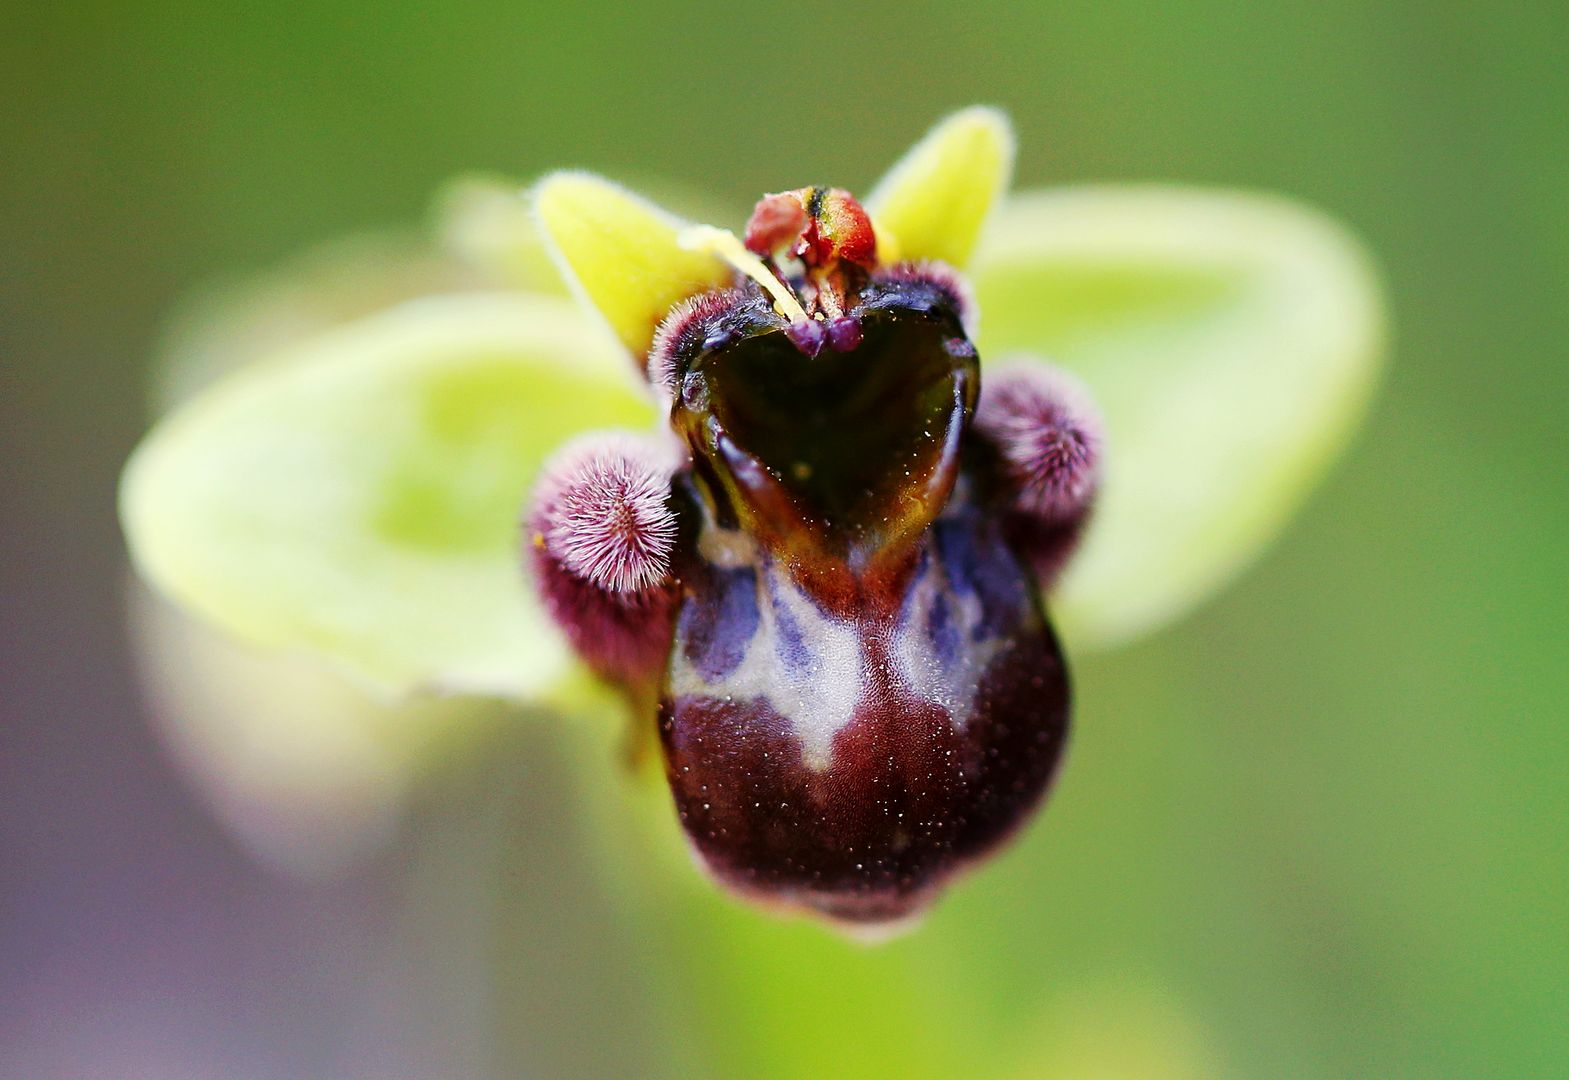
x: 941, y: 630
x: 717, y: 633
x: 790, y: 643
x: 978, y: 564
x: 938, y: 625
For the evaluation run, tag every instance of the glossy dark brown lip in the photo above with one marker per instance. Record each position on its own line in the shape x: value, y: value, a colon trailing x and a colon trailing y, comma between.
x: 843, y: 456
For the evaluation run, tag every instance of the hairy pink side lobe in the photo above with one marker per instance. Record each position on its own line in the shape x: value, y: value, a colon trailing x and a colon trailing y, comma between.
x: 601, y: 535
x: 1043, y: 434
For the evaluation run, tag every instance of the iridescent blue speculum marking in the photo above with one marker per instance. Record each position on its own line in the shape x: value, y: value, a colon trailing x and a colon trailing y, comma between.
x: 825, y: 589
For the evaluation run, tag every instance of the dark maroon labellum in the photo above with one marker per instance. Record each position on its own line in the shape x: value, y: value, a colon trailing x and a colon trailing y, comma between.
x: 863, y: 695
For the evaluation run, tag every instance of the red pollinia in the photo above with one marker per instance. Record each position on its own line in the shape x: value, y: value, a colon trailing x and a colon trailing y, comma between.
x: 824, y: 589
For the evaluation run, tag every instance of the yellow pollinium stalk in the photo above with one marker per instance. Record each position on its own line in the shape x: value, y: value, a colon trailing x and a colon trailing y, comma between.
x: 727, y: 246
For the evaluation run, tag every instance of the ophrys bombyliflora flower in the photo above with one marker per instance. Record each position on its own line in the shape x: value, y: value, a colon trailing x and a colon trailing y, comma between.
x: 833, y: 506
x: 828, y: 589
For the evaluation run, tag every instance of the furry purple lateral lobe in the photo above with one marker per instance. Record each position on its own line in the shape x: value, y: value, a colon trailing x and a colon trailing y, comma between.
x: 1041, y: 435
x: 621, y: 636
x: 603, y: 511
x: 1047, y: 434
x: 600, y: 537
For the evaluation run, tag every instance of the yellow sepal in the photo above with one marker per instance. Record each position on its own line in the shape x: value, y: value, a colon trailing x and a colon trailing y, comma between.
x: 934, y: 202
x: 621, y: 253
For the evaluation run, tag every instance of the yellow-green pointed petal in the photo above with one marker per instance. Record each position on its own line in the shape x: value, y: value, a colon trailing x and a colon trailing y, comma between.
x: 934, y: 202
x: 358, y: 496
x: 1231, y: 341
x: 622, y: 253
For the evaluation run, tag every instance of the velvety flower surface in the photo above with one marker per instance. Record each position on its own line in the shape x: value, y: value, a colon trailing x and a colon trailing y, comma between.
x: 805, y: 501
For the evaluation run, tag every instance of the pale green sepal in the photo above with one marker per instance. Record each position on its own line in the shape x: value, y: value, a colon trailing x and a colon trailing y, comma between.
x: 358, y: 497
x: 1231, y: 340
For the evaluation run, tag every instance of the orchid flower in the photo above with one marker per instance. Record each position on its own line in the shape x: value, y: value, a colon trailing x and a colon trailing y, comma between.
x: 803, y: 494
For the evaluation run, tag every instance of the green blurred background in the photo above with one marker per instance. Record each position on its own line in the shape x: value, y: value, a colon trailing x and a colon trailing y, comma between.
x: 1317, y: 829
